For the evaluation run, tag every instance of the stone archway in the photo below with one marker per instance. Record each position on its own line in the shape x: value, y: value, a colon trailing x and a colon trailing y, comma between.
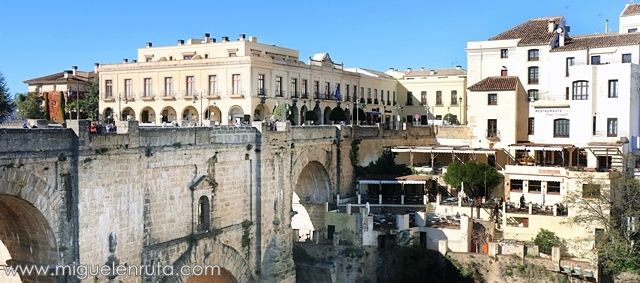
x: 128, y: 114
x: 294, y: 116
x: 326, y: 116
x: 190, y: 114
x: 213, y: 114
x: 311, y: 192
x: 26, y: 236
x: 236, y: 115
x: 261, y: 113
x: 107, y: 115
x: 147, y: 115
x: 220, y: 275
x: 303, y: 112
x: 168, y: 115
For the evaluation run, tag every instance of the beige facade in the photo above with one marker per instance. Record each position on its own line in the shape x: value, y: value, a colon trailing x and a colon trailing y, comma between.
x: 432, y: 94
x: 209, y: 82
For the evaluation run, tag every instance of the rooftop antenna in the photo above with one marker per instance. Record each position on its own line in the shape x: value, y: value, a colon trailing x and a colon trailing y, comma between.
x: 606, y: 25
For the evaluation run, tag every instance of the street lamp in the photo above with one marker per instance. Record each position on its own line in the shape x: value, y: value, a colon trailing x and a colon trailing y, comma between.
x: 195, y: 97
x: 398, y: 108
x: 460, y: 106
x: 69, y: 75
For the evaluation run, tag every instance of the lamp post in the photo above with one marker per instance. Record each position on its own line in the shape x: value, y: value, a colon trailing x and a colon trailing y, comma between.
x: 460, y: 106
x: 398, y: 120
x: 68, y: 75
x: 196, y: 97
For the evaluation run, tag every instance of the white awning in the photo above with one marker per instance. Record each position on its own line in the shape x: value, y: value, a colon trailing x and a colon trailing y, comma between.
x: 449, y: 150
x: 391, y: 182
x: 539, y: 147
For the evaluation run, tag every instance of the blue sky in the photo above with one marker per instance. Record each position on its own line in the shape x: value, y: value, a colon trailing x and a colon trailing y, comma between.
x: 42, y: 37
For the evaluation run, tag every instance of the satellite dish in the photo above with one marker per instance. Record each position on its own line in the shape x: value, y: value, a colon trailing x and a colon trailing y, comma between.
x: 559, y: 30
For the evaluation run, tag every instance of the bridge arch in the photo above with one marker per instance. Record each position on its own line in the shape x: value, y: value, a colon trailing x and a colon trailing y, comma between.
x: 311, y: 192
x: 30, y: 219
x: 221, y: 275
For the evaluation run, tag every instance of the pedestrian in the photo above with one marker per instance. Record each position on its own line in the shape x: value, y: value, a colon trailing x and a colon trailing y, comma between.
x: 522, y: 201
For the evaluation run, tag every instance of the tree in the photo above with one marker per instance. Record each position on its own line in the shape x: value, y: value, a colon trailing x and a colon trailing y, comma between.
x: 310, y: 116
x: 281, y: 112
x: 337, y: 115
x: 29, y: 106
x: 7, y: 105
x: 546, y: 240
x: 614, y: 209
x: 450, y: 119
x: 89, y: 104
x: 474, y: 175
x: 385, y: 165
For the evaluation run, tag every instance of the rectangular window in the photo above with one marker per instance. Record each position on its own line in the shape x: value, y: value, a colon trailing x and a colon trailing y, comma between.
x: 593, y: 126
x: 504, y: 53
x: 108, y: 88
x: 394, y: 98
x: 613, y: 88
x: 492, y: 128
x: 168, y: 86
x: 566, y: 93
x: 305, y: 88
x: 346, y: 87
x: 127, y: 88
x: 368, y: 94
x: 278, y: 86
x: 534, y: 55
x: 189, y: 84
x: 355, y: 93
x: 423, y: 98
x: 504, y: 72
x: 533, y: 95
x: 533, y: 75
x: 580, y: 90
x: 261, y: 89
x: 454, y: 97
x: 409, y: 98
x: 492, y: 99
x: 553, y: 187
x: 590, y: 190
x: 213, y: 85
x: 316, y: 89
x: 375, y: 94
x: 388, y: 101
x: 235, y: 84
x: 535, y: 186
x: 516, y: 185
x: 626, y: 58
x: 327, y: 90
x: 570, y: 62
x: 561, y: 128
x: 522, y: 222
x: 147, y: 87
x: 438, y: 98
x: 293, y: 92
x: 612, y: 127
x: 595, y: 60
x: 531, y: 126
x: 362, y: 94
x: 632, y: 30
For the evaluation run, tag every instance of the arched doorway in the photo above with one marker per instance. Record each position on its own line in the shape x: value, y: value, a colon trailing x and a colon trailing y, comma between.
x: 216, y: 275
x: 190, y: 115
x: 107, y: 115
x: 347, y: 113
x: 25, y: 237
x: 147, y: 115
x: 294, y: 116
x: 303, y: 110
x: 168, y: 115
x: 326, y: 115
x: 128, y: 114
x: 261, y: 113
x: 214, y: 115
x: 311, y: 192
x: 318, y: 114
x: 236, y: 115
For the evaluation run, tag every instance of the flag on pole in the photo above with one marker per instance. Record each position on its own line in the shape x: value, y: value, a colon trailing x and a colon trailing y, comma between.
x: 338, y: 93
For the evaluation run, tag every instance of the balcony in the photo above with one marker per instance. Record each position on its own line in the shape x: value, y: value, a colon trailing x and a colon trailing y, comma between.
x: 295, y: 94
x: 279, y: 93
x: 188, y: 94
x: 213, y: 94
x: 305, y: 95
x: 238, y: 93
x: 316, y: 95
x: 107, y: 97
x: 493, y: 134
x: 168, y: 95
x: 148, y: 96
x: 128, y: 96
x: 262, y: 92
x: 369, y: 101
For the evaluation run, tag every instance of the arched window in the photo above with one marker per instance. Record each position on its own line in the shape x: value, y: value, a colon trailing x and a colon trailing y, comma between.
x: 204, y: 214
x: 580, y: 90
x: 561, y: 128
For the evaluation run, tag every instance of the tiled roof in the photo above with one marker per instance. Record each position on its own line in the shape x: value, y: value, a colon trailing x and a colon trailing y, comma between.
x: 58, y: 78
x: 496, y: 84
x: 599, y: 41
x: 437, y: 72
x: 531, y: 32
x: 631, y: 9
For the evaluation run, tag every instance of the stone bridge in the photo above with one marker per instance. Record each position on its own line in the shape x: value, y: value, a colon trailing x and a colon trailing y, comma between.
x: 176, y: 197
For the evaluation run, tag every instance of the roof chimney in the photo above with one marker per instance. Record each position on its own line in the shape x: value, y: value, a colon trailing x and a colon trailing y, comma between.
x: 458, y: 67
x: 552, y: 25
x: 432, y: 72
x: 74, y: 70
x: 134, y: 61
x: 242, y: 36
x: 149, y: 44
x: 606, y: 25
x: 95, y: 67
x: 206, y: 37
x: 67, y: 74
x: 180, y: 42
x: 125, y: 61
x: 408, y: 69
x: 422, y: 69
x: 253, y: 39
x: 225, y: 39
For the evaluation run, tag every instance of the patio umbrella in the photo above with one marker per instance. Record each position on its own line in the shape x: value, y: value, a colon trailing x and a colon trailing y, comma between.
x: 462, y: 189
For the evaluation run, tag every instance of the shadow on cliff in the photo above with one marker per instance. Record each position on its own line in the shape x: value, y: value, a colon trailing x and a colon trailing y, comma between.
x: 409, y: 264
